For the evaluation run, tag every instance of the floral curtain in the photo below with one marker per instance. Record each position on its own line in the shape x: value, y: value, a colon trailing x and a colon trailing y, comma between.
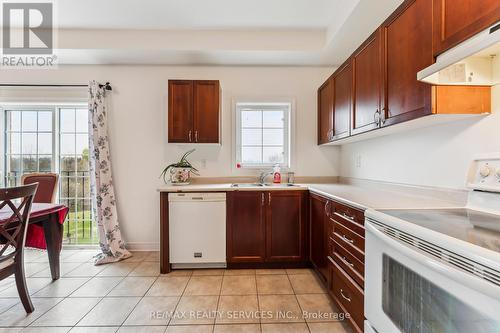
x: 101, y: 182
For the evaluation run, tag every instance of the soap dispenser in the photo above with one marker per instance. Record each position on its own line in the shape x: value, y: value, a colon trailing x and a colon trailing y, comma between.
x: 276, y: 174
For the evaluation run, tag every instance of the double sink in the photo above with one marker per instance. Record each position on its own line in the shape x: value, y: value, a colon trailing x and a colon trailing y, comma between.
x: 262, y: 185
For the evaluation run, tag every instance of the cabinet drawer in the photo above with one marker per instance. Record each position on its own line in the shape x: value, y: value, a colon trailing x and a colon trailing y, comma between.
x: 348, y: 295
x: 351, y: 265
x: 350, y: 240
x: 352, y: 214
x: 348, y: 223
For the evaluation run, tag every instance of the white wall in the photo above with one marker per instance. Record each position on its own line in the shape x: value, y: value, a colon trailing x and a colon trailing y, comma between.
x: 434, y: 156
x: 138, y: 123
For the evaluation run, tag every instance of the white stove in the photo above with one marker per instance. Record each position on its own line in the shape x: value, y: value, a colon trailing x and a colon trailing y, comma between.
x: 437, y: 270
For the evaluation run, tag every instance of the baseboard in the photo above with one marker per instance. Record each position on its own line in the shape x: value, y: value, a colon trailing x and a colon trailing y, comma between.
x: 139, y: 246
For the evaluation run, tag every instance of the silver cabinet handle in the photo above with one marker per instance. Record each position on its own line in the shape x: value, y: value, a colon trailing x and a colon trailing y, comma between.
x: 262, y: 196
x: 348, y: 262
x: 347, y: 239
x: 269, y: 198
x: 376, y: 117
x: 195, y: 136
x: 382, y: 116
x: 190, y: 136
x: 348, y: 216
x: 344, y: 296
x: 327, y: 208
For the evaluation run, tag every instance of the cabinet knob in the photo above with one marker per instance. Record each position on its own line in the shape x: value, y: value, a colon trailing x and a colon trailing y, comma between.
x: 190, y: 136
x: 195, y: 136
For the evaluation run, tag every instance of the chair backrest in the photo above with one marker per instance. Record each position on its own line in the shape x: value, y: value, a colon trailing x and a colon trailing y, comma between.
x: 15, y: 208
x: 47, y: 186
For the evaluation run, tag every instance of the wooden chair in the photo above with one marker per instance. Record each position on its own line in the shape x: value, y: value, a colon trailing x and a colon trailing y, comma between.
x: 47, y: 186
x: 15, y: 208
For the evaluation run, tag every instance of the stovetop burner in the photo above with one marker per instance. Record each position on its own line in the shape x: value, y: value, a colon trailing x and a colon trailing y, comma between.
x: 475, y: 227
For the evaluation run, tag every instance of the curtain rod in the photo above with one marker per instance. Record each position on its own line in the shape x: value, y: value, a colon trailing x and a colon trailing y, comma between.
x: 106, y: 86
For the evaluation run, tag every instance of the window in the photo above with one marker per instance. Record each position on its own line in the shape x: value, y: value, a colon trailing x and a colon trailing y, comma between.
x: 263, y: 134
x: 54, y: 139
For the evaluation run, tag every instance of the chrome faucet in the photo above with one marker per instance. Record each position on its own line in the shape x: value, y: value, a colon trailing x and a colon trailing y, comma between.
x: 263, y: 176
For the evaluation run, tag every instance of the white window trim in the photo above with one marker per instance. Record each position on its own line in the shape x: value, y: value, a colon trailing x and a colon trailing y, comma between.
x: 52, y: 107
x: 235, y: 114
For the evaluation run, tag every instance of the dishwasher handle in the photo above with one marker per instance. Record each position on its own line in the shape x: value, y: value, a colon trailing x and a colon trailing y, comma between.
x: 190, y: 197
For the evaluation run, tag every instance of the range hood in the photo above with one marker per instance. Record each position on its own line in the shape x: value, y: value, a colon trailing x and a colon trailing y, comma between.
x: 475, y: 62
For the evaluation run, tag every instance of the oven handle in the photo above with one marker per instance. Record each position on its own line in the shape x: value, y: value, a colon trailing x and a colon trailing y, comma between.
x: 451, y: 272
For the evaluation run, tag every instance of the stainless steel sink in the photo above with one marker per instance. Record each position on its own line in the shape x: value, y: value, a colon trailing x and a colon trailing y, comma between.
x: 247, y: 185
x: 261, y: 185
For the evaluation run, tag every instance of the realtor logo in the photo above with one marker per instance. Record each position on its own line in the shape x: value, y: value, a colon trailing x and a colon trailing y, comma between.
x: 27, y: 28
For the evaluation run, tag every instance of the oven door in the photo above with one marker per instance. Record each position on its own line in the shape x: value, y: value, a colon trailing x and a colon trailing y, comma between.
x: 408, y: 290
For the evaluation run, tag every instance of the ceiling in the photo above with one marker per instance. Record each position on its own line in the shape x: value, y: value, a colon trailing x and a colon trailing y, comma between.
x: 215, y: 32
x: 202, y: 14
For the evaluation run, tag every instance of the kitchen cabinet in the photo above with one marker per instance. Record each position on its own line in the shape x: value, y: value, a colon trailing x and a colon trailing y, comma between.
x: 246, y: 226
x: 458, y: 20
x: 368, y: 81
x: 193, y: 111
x: 347, y: 296
x: 342, y: 102
x: 337, y: 253
x: 325, y: 111
x: 286, y: 236
x: 267, y: 227
x: 318, y: 235
x: 407, y: 49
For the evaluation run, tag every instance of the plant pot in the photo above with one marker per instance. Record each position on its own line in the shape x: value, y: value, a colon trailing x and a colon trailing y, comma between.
x: 180, y: 176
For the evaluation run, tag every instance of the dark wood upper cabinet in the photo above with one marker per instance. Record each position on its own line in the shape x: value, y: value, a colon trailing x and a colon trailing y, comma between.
x: 246, y: 228
x: 325, y: 111
x: 206, y: 111
x: 368, y: 80
x: 407, y: 46
x: 180, y: 110
x: 286, y: 235
x: 342, y: 101
x: 457, y: 20
x: 193, y: 111
x: 318, y: 235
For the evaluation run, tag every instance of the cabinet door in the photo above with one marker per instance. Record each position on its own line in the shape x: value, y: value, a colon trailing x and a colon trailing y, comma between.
x: 246, y: 230
x: 325, y: 112
x: 457, y: 20
x: 342, y: 103
x: 286, y: 226
x: 407, y: 50
x: 368, y: 81
x: 318, y: 234
x: 206, y: 111
x: 180, y: 111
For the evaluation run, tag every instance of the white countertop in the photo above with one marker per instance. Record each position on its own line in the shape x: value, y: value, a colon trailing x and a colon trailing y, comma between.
x: 360, y: 194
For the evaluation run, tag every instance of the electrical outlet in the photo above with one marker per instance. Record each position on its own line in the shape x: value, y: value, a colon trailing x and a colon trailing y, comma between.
x: 358, y: 161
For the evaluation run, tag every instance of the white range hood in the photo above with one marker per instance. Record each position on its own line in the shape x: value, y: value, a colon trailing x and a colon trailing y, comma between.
x: 473, y: 62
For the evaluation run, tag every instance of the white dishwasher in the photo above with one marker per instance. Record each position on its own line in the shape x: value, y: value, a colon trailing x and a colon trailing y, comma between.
x: 197, y: 230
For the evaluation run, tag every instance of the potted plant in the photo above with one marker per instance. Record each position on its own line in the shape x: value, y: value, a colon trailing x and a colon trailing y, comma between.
x: 180, y: 172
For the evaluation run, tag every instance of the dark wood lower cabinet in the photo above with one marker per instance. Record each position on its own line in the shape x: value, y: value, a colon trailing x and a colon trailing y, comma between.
x: 338, y: 254
x: 286, y: 234
x: 246, y: 228
x: 266, y: 227
x: 318, y: 236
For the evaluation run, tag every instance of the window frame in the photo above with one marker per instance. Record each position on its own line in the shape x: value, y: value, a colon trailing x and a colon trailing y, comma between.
x: 56, y: 132
x: 26, y: 108
x: 287, y: 106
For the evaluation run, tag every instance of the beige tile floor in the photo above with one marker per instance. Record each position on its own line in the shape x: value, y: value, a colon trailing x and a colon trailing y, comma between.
x: 132, y: 296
